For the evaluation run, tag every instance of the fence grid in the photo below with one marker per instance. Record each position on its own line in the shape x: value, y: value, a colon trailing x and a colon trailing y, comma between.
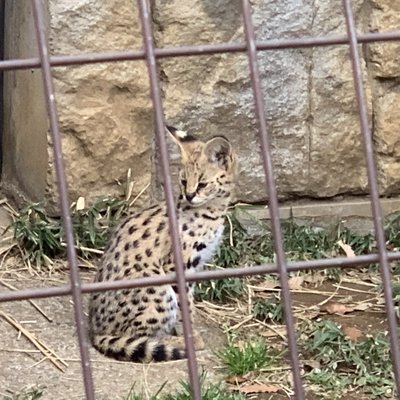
x: 150, y: 54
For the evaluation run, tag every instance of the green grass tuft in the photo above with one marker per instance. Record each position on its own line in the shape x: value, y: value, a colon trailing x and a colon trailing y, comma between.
x: 209, y: 392
x: 249, y: 356
x: 42, y: 237
x: 219, y: 290
x: 268, y: 310
x: 29, y: 393
x: 348, y: 364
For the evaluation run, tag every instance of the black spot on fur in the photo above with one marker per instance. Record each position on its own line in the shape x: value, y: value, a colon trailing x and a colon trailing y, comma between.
x: 139, y: 352
x: 191, y: 233
x: 130, y: 340
x: 157, y: 242
x: 126, y: 313
x: 127, y: 271
x: 109, y: 267
x: 137, y: 267
x: 146, y: 221
x: 149, y: 253
x: 159, y: 353
x: 160, y: 309
x: 125, y: 222
x: 177, y: 354
x: 170, y: 299
x: 206, y: 216
x: 156, y: 212
x: 126, y: 247
x: 145, y: 299
x: 117, y: 255
x: 138, y: 257
x: 201, y: 246
x: 122, y: 304
x: 135, y: 301
x: 135, y: 244
x: 150, y: 290
x: 160, y: 226
x: 113, y: 340
x: 137, y: 323
x: 152, y: 321
x: 185, y: 227
x: 146, y: 234
x: 132, y: 229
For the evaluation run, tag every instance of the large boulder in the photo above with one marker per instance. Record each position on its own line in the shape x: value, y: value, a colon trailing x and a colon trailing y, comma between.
x: 105, y: 110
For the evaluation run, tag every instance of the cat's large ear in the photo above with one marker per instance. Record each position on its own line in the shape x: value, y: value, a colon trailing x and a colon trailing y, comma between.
x: 181, y: 138
x: 219, y: 151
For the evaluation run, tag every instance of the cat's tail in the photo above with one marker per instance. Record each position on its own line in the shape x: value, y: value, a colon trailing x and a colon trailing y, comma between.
x: 144, y: 349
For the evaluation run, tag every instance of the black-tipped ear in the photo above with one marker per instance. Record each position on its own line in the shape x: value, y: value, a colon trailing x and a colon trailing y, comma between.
x: 219, y: 151
x: 179, y: 136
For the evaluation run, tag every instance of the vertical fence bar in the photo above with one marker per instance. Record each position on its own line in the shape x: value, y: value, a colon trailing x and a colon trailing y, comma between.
x: 273, y: 198
x: 63, y: 192
x: 374, y: 192
x: 173, y: 222
x: 373, y: 188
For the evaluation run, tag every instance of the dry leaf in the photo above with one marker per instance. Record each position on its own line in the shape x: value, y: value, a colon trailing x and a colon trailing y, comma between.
x: 269, y: 284
x: 259, y: 388
x: 352, y: 333
x: 336, y: 308
x: 235, y: 379
x: 362, y: 306
x: 311, y: 364
x: 341, y: 309
x: 80, y: 203
x: 296, y: 282
x: 346, y: 248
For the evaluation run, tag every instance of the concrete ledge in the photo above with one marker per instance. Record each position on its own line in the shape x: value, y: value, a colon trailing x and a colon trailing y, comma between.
x: 353, y: 213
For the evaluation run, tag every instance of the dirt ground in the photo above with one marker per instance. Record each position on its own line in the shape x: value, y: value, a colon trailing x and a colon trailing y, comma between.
x: 22, y: 364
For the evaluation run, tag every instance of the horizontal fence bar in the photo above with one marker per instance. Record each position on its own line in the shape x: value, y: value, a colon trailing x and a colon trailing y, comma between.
x: 292, y: 266
x: 198, y: 50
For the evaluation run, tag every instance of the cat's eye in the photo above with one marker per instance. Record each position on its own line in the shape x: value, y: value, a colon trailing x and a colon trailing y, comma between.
x: 201, y: 185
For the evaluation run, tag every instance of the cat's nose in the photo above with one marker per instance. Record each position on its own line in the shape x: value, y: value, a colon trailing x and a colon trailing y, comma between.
x: 190, y: 196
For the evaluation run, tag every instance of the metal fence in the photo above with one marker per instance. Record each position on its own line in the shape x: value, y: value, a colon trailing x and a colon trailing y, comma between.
x: 282, y: 267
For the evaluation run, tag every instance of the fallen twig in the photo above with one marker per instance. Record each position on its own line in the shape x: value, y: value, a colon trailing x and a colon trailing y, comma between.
x: 45, y: 350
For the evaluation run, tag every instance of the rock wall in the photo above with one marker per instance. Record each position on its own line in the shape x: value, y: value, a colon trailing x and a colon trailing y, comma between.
x: 105, y: 109
x: 310, y: 106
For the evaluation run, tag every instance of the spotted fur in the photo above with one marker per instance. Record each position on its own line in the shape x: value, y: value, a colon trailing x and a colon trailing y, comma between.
x: 144, y: 324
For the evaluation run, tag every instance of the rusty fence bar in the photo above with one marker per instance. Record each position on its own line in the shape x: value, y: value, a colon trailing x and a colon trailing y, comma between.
x: 282, y: 267
x: 296, y: 266
x: 272, y: 197
x: 374, y: 191
x: 43, y: 49
x: 199, y: 50
x: 169, y: 196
